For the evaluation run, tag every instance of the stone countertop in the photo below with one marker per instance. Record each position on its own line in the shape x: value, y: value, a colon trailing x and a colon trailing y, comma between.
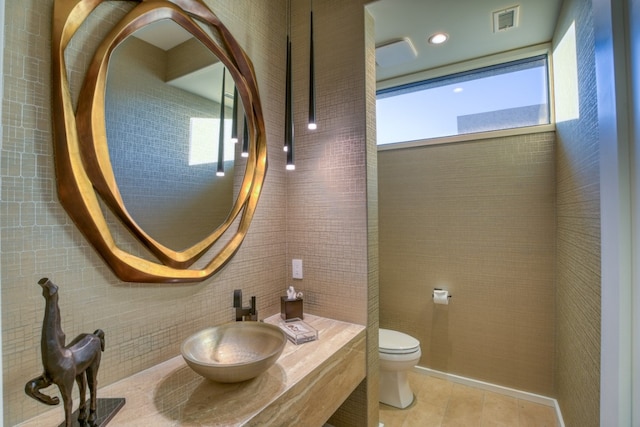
x: 171, y: 394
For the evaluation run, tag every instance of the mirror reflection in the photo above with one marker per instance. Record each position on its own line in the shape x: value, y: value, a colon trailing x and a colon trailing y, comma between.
x: 164, y: 102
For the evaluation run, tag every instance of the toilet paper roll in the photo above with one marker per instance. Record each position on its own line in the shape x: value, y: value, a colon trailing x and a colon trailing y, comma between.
x: 440, y: 296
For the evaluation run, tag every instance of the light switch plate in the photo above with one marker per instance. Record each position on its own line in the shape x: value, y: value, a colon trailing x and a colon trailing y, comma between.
x: 296, y: 267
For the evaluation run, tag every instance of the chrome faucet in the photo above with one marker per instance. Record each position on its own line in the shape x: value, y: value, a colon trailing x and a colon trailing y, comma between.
x: 244, y: 313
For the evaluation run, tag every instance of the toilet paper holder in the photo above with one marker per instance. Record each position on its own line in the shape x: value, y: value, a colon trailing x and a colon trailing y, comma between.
x: 433, y: 294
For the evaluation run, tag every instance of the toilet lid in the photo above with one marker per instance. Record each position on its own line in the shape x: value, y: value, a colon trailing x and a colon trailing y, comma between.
x: 396, y: 342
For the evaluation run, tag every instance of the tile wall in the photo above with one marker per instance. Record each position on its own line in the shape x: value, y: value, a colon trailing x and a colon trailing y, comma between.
x: 577, y: 362
x: 331, y: 198
x: 475, y: 218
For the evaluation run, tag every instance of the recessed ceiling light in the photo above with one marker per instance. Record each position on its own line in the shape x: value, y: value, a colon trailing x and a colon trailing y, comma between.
x: 438, y: 38
x: 457, y: 89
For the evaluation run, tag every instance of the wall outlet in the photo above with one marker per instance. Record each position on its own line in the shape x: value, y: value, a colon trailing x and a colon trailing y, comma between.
x: 296, y: 267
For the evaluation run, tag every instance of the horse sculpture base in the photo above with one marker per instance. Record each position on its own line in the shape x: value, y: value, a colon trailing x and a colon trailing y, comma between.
x: 107, y: 409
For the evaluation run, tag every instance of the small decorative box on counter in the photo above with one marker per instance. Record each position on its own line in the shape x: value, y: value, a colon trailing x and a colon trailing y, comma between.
x: 291, y: 305
x: 298, y: 332
x: 291, y: 309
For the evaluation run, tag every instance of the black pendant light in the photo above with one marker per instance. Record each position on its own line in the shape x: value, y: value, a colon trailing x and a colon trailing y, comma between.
x: 312, y: 78
x: 287, y: 73
x: 288, y: 110
x: 220, y: 171
x: 245, y: 139
x: 234, y: 117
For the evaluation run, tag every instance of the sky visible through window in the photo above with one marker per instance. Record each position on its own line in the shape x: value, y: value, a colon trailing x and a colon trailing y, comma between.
x: 432, y: 110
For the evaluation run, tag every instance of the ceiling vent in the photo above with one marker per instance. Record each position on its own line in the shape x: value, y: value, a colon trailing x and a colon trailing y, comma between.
x: 505, y: 19
x: 395, y: 52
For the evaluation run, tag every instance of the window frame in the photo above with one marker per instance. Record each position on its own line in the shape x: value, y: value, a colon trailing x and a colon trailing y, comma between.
x: 470, y: 66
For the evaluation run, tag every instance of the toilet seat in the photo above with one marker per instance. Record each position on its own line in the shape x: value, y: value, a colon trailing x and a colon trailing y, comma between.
x: 395, y: 342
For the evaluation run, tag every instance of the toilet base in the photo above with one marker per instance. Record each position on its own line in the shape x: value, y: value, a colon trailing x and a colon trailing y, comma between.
x: 394, y: 389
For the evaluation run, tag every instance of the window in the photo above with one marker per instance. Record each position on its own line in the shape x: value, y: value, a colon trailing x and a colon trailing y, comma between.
x: 504, y: 96
x: 203, y: 141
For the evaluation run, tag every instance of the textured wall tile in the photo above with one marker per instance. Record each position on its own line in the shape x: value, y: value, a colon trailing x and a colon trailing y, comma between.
x: 478, y: 219
x: 328, y: 203
x: 327, y: 193
x: 577, y: 362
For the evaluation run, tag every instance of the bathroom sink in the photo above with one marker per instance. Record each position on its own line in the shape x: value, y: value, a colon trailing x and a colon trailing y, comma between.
x: 234, y: 352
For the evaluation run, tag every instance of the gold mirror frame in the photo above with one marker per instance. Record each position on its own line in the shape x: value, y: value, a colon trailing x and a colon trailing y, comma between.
x: 83, y: 168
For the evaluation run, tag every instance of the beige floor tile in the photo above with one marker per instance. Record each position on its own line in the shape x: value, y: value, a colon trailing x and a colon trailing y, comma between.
x: 499, y: 411
x: 442, y: 403
x: 393, y: 417
x: 436, y: 390
x: 464, y: 407
x: 536, y: 415
x: 425, y: 413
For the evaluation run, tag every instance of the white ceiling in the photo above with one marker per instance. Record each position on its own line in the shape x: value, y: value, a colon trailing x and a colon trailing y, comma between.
x: 167, y: 34
x: 469, y: 24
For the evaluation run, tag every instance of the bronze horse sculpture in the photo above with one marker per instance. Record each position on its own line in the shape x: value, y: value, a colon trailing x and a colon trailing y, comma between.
x: 79, y: 361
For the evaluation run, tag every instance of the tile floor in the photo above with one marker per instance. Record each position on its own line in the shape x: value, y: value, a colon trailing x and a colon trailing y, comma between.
x: 441, y: 403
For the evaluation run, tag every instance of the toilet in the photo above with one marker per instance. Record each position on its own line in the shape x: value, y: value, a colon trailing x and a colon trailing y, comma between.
x: 399, y: 352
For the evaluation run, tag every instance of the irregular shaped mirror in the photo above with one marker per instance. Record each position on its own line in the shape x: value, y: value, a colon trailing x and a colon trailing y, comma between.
x: 97, y: 164
x: 164, y: 104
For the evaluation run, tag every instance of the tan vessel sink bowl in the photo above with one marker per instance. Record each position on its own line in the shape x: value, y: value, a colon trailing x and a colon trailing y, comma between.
x: 234, y: 352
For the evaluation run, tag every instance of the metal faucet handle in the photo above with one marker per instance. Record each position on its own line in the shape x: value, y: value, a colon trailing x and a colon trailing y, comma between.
x: 244, y: 313
x: 237, y: 298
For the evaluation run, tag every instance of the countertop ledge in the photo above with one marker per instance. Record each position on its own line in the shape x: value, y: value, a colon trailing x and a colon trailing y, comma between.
x: 171, y: 394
